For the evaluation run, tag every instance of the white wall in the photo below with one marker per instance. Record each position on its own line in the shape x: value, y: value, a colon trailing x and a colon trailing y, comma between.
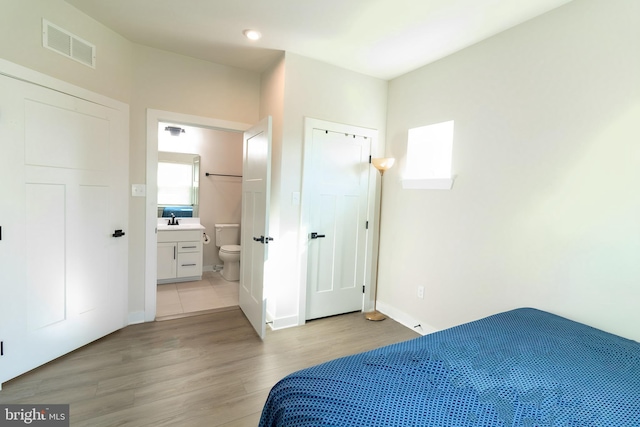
x: 140, y: 76
x: 170, y: 82
x: 21, y: 43
x: 545, y: 208
x: 321, y: 91
x: 543, y: 212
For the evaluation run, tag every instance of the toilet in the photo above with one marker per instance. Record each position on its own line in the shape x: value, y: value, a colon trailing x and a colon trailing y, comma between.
x: 228, y: 239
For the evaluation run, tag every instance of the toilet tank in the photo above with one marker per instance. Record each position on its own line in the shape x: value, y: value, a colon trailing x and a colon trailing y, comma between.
x: 227, y: 234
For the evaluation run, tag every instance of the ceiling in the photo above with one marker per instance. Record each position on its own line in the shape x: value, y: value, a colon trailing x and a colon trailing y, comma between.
x: 380, y: 38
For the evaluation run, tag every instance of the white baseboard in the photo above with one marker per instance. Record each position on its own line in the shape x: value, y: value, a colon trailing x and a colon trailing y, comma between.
x: 284, y: 322
x: 136, y: 317
x: 404, y: 319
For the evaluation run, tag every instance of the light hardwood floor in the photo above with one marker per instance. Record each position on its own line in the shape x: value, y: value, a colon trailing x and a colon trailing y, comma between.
x: 208, y: 370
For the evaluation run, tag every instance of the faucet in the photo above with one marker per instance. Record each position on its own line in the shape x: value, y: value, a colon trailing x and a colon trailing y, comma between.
x: 173, y: 220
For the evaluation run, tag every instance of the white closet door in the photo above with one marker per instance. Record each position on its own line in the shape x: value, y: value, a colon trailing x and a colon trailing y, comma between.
x: 64, y: 180
x: 336, y: 172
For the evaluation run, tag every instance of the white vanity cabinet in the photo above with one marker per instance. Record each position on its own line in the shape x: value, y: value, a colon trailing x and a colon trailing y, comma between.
x: 179, y: 255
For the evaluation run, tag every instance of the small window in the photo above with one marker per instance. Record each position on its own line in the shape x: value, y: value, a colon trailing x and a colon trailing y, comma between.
x: 174, y: 183
x: 429, y: 153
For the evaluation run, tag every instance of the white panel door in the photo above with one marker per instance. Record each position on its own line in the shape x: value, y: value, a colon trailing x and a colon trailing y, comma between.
x: 256, y: 172
x: 337, y: 169
x: 63, y: 180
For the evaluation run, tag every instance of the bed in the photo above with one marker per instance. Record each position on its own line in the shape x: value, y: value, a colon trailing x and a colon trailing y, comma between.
x: 523, y: 367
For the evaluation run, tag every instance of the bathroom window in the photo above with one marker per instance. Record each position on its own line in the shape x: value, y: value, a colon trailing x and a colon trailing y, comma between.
x: 429, y: 155
x: 175, y: 182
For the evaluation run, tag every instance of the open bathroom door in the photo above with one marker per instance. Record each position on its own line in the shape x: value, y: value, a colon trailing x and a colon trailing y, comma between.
x: 256, y: 173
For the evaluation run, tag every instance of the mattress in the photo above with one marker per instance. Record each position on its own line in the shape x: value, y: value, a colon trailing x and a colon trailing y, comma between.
x: 524, y: 367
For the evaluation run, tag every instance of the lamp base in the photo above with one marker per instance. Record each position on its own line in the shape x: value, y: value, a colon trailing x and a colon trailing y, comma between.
x: 374, y: 315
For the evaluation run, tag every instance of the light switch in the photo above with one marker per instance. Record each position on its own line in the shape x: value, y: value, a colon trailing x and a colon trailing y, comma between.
x: 138, y: 190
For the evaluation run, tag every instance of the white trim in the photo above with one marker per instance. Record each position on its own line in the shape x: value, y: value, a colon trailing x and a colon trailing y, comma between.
x: 404, y: 319
x: 151, y: 256
x: 19, y: 72
x: 309, y: 125
x: 283, y: 322
x: 136, y: 317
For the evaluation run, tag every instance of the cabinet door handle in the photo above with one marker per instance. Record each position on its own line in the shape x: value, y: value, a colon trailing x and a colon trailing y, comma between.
x: 188, y: 265
x: 174, y: 252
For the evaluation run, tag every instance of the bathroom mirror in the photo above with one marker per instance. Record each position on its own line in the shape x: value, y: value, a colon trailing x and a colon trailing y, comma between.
x: 178, y: 184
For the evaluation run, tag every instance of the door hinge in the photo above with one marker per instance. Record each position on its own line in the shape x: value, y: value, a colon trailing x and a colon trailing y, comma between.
x: 366, y: 225
x: 369, y: 159
x: 363, y: 289
x: 1, y: 348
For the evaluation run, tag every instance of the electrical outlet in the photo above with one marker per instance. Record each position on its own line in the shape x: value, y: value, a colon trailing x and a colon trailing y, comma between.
x: 421, y: 292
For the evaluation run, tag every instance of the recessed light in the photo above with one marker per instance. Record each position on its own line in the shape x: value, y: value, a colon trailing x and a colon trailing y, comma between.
x: 252, y: 34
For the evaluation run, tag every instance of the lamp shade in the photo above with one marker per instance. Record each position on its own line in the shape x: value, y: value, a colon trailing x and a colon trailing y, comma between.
x: 383, y: 163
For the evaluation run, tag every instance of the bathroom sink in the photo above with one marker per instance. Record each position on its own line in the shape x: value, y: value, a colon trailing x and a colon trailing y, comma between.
x: 181, y: 227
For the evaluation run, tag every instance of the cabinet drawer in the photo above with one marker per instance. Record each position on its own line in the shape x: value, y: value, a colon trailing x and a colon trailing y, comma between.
x: 189, y: 264
x: 179, y: 235
x: 189, y: 247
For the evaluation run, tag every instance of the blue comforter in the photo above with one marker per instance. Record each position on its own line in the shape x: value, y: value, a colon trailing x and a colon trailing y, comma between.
x: 519, y: 368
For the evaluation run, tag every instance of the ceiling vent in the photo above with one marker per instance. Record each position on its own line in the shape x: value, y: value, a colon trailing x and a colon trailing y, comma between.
x: 67, y: 44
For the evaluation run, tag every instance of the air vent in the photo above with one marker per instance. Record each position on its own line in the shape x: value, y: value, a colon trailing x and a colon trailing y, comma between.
x: 67, y: 44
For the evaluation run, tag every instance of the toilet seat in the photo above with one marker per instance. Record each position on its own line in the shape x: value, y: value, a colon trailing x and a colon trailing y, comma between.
x: 230, y: 249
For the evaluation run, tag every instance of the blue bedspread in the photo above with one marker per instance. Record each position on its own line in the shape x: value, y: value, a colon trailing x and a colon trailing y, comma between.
x: 519, y: 368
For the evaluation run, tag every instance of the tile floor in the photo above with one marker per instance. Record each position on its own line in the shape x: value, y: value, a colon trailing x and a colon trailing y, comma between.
x: 212, y: 293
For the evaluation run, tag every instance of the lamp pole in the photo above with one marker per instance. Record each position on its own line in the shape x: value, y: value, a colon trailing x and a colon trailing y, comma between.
x: 381, y: 164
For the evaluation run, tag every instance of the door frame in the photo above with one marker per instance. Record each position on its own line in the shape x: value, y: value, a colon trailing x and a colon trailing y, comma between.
x: 305, y: 211
x: 151, y: 212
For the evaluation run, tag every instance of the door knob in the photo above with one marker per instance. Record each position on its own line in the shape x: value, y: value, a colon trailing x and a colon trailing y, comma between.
x: 263, y: 239
x: 315, y: 235
x: 118, y: 233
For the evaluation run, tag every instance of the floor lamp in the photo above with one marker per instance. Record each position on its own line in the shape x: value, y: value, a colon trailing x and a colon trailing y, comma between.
x: 382, y: 164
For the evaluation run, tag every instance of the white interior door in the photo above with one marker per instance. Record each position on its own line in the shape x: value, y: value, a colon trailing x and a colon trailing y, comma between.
x: 336, y: 188
x: 256, y: 172
x: 63, y: 180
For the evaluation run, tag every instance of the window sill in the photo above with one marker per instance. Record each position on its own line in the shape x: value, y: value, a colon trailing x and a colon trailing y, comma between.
x: 427, y: 184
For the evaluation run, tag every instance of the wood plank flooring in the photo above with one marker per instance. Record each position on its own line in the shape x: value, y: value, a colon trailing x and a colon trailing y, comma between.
x: 208, y: 370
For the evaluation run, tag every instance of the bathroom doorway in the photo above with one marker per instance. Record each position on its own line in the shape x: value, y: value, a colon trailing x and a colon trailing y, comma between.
x: 208, y: 190
x: 219, y: 190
